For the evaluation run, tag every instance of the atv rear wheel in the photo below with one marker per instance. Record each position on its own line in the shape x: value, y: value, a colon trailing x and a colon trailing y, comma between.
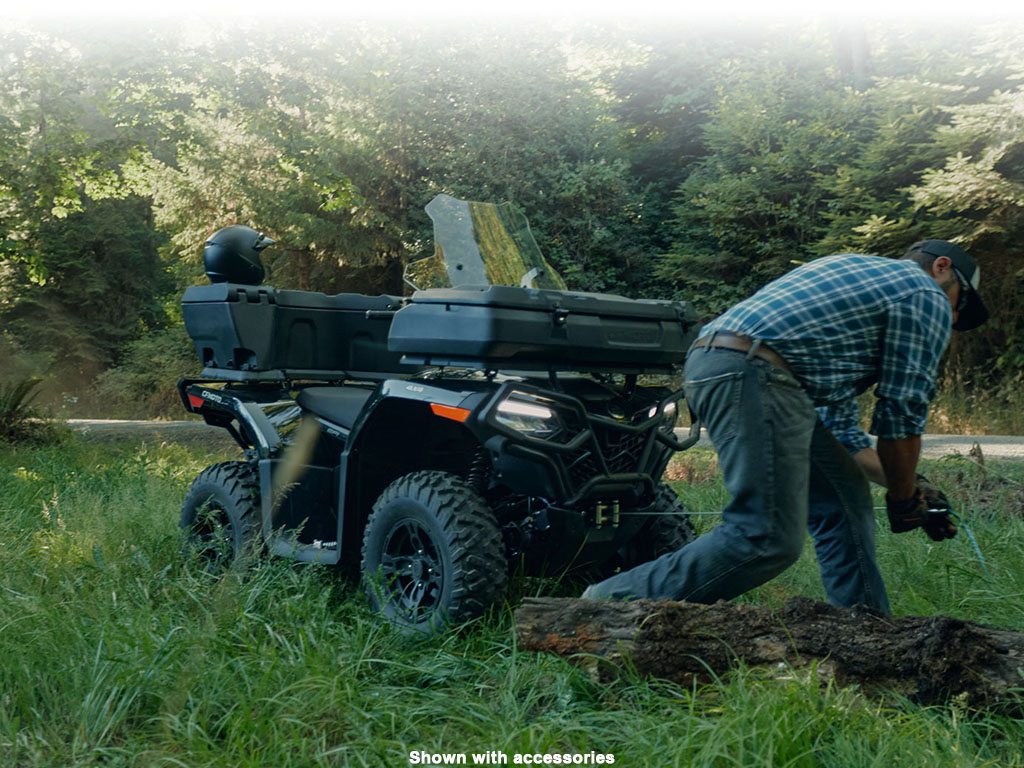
x: 220, y: 514
x: 432, y: 553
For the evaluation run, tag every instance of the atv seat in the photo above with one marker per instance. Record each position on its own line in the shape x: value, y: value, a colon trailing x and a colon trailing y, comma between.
x: 339, y: 405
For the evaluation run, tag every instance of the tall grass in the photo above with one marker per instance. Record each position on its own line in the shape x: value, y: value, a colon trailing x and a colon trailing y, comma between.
x: 963, y: 407
x: 114, y: 651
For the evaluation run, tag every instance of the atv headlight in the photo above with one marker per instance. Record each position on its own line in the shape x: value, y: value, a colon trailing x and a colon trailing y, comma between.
x: 669, y: 413
x: 532, y: 415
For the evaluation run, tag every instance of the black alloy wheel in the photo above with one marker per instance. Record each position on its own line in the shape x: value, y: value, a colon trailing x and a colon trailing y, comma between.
x: 411, y: 564
x: 432, y: 553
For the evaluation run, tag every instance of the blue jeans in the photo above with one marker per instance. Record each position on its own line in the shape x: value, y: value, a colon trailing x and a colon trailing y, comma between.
x: 786, y: 473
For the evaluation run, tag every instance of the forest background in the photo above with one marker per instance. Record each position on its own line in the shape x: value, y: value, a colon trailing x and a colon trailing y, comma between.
x: 662, y: 160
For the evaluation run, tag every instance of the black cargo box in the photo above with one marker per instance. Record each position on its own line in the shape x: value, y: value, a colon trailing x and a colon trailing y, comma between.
x: 505, y: 327
x: 253, y: 332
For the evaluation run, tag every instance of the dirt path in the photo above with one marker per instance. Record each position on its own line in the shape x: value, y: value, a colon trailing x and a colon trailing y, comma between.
x: 192, y: 432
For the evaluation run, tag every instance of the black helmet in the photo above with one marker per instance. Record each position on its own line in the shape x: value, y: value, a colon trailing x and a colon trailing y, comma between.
x: 232, y: 255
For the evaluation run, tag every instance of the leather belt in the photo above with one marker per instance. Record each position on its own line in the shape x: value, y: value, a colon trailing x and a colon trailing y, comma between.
x: 740, y: 343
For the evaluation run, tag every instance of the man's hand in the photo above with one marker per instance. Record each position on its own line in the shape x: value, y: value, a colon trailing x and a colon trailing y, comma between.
x: 928, y: 508
x: 935, y: 498
x: 938, y: 523
x: 906, y: 514
x: 939, y: 526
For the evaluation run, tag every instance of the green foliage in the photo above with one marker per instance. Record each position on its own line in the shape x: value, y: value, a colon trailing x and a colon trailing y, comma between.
x: 144, y: 383
x: 115, y: 651
x: 509, y: 120
x: 79, y: 270
x: 102, y: 290
x: 870, y: 210
x: 15, y: 411
x: 54, y: 154
x: 20, y: 422
x: 979, y: 194
x: 693, y: 161
x: 335, y: 156
x: 754, y: 204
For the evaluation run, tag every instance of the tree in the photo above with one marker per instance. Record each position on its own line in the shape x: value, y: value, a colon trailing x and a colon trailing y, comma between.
x: 336, y: 151
x: 103, y: 280
x: 51, y: 157
x: 501, y: 117
x: 978, y: 197
x: 780, y: 130
x: 79, y: 267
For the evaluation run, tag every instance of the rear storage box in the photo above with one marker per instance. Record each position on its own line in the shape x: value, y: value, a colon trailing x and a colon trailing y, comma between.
x: 250, y: 332
x: 522, y: 328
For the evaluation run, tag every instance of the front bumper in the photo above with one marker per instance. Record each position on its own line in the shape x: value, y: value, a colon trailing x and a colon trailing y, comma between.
x: 603, y: 459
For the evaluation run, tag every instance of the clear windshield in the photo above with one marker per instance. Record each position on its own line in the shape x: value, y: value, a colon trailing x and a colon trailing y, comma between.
x: 481, y: 244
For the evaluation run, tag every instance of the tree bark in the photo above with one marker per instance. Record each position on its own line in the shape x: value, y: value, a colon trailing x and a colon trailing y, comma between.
x: 928, y: 659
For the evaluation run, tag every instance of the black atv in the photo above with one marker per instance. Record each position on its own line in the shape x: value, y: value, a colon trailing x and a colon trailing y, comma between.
x: 437, y: 442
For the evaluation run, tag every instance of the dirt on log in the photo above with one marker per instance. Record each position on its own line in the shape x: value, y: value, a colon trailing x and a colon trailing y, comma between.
x: 928, y: 659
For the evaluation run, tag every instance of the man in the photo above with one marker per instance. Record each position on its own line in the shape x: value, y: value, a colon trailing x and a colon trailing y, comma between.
x: 818, y: 336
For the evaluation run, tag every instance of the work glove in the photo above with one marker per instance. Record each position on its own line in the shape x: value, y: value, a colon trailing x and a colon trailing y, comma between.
x: 906, y: 514
x: 928, y: 508
x: 938, y: 523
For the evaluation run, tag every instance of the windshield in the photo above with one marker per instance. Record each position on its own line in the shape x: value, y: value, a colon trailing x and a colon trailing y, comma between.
x: 481, y: 244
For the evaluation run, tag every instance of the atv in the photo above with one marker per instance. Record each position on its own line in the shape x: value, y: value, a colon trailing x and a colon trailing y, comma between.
x: 492, y: 421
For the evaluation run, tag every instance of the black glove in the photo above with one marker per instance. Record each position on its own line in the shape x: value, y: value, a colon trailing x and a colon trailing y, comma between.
x: 928, y: 508
x: 938, y: 522
x: 906, y: 514
x: 933, y: 497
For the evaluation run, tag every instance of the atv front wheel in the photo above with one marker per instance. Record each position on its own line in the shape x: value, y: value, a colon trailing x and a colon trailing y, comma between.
x: 670, y: 528
x: 432, y: 553
x: 220, y: 514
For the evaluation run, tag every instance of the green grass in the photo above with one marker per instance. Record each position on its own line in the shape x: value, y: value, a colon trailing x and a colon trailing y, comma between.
x: 115, y: 652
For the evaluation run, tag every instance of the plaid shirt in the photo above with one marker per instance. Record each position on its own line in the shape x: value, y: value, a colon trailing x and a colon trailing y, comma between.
x: 844, y: 323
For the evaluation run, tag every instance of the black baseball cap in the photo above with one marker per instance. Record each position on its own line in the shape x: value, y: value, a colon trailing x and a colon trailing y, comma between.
x: 974, y: 312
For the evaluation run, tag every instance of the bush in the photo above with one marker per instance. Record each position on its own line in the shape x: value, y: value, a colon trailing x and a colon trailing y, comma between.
x: 144, y: 384
x: 969, y: 406
x: 19, y: 421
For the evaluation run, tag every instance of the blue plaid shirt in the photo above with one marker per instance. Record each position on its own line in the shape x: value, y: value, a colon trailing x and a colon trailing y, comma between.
x: 844, y: 323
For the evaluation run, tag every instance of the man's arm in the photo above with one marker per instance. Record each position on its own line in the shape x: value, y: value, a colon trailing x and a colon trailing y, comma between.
x: 898, y: 463
x: 842, y: 419
x: 916, y: 334
x: 867, y: 459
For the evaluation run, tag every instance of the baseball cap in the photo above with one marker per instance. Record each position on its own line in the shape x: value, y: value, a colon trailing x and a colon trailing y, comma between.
x: 974, y: 311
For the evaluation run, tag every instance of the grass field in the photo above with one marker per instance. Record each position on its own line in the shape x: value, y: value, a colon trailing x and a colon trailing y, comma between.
x: 114, y: 652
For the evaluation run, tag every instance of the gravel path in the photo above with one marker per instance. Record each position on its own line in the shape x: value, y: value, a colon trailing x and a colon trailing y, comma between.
x: 937, y: 446
x: 933, y: 446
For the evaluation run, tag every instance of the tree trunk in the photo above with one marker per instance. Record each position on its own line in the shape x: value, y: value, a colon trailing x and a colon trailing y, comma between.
x: 850, y: 43
x: 928, y: 659
x: 304, y: 267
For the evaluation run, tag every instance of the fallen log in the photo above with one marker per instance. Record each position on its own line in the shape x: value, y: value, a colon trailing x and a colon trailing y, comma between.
x: 928, y: 659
